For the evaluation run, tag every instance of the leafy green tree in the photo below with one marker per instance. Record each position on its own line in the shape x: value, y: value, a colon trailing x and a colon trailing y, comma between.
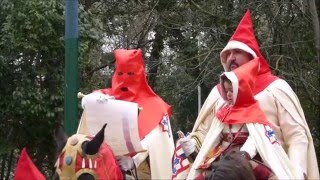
x: 31, y: 87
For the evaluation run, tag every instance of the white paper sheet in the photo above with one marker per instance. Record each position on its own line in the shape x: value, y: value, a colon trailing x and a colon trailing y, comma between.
x: 121, y: 133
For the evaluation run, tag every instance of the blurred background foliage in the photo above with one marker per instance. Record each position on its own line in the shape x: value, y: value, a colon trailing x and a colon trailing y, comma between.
x: 181, y: 41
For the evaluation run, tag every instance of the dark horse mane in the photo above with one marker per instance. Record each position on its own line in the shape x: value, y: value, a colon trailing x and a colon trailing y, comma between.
x: 231, y: 166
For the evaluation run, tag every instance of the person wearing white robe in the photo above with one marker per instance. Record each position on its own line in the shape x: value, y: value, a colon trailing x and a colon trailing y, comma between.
x: 275, y: 97
x: 248, y: 129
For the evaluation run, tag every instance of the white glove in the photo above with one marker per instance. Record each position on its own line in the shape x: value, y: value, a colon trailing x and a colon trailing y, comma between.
x: 125, y: 162
x: 95, y: 96
x: 188, y: 145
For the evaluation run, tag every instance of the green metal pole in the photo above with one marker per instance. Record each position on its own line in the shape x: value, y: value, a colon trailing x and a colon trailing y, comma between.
x: 71, y: 67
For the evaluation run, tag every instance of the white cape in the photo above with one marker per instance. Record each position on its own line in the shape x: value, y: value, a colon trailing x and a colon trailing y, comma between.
x: 270, y: 151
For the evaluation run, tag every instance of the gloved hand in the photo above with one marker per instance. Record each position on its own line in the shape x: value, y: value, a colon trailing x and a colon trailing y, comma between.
x: 125, y: 162
x: 188, y: 145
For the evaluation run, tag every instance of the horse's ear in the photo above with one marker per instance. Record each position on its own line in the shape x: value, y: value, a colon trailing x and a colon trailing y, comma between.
x: 92, y: 147
x: 60, y: 138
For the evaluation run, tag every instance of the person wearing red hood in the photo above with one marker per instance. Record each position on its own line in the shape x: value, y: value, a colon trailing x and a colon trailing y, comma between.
x: 129, y: 83
x: 240, y: 125
x: 275, y: 97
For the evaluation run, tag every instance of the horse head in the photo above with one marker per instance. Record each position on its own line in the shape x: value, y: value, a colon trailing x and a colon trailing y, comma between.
x: 82, y: 157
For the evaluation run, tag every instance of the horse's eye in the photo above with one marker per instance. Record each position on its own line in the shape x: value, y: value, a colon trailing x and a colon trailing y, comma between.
x: 130, y: 73
x: 120, y: 73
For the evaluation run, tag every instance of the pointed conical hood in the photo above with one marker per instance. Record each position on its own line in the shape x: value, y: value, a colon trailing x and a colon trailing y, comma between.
x: 244, y: 39
x: 26, y: 169
x: 129, y: 80
x: 245, y: 109
x: 129, y: 83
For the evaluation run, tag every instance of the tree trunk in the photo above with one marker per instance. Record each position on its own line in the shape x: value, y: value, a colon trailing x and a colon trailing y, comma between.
x: 155, y: 57
x: 9, y: 165
x: 3, y: 165
x: 316, y: 26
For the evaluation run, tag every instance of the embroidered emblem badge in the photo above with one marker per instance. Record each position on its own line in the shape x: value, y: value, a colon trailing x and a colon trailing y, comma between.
x: 270, y: 134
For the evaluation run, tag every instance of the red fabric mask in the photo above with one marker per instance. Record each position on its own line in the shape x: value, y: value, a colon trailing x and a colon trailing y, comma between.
x: 129, y: 83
